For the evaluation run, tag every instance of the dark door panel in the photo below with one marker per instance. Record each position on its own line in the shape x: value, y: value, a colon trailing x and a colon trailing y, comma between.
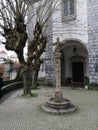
x: 78, y: 71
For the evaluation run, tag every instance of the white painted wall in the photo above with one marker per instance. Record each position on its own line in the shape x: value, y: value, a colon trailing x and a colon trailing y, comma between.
x: 71, y: 29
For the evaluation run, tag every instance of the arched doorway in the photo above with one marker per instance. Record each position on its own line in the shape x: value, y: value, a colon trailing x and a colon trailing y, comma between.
x: 74, y: 63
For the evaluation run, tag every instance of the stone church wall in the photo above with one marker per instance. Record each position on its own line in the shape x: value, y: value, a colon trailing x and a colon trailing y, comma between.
x: 75, y: 28
x: 93, y: 39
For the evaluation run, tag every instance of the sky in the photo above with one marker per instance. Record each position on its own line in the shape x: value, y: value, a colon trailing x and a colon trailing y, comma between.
x: 12, y: 53
x: 2, y: 47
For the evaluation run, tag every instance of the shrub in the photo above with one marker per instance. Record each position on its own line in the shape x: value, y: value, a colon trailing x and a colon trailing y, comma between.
x: 68, y: 80
x: 50, y: 85
x: 41, y: 81
x: 93, y: 86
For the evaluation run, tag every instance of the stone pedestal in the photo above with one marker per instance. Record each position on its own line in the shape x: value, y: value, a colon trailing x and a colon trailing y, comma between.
x: 64, y: 107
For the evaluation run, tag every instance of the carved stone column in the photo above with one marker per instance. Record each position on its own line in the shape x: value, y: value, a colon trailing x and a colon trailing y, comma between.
x: 58, y: 92
x: 58, y: 104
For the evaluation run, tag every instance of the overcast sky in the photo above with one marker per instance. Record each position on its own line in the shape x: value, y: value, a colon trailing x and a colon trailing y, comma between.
x: 2, y: 47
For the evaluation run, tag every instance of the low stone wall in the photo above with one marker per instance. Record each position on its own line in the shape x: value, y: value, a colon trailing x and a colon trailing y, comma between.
x: 11, y: 86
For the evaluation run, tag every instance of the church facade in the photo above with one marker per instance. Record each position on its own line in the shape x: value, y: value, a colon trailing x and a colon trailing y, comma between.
x: 75, y: 23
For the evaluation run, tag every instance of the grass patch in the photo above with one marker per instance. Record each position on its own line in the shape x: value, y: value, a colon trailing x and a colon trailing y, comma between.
x: 51, y: 85
x: 36, y: 88
x: 30, y: 96
x: 34, y: 95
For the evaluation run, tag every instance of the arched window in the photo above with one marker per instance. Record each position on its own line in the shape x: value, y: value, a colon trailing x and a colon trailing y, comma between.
x: 69, y: 8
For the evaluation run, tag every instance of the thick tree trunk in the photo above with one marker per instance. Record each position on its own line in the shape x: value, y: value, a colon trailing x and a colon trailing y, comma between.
x: 19, y: 74
x: 37, y: 65
x: 27, y: 80
x: 35, y: 79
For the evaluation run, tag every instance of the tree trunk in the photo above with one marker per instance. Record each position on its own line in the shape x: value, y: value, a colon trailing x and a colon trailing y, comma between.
x: 35, y: 79
x: 37, y: 65
x: 19, y: 74
x: 27, y: 80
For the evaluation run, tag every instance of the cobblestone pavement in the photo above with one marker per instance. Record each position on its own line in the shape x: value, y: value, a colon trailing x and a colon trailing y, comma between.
x: 19, y: 113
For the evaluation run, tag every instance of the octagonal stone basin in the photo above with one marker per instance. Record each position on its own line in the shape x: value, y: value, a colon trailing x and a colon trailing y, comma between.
x: 64, y: 107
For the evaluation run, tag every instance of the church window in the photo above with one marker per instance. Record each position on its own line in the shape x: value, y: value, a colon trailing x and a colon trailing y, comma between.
x: 69, y: 8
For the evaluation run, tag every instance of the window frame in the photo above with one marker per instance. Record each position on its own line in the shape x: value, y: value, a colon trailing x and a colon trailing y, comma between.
x: 69, y: 17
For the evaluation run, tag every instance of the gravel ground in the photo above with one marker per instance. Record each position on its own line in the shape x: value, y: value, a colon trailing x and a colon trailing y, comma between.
x: 19, y: 113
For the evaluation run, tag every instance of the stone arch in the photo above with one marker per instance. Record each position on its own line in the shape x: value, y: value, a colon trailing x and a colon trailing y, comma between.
x: 68, y: 40
x: 75, y: 55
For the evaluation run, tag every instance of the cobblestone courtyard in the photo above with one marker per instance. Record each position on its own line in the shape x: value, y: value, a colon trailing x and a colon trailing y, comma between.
x: 18, y: 113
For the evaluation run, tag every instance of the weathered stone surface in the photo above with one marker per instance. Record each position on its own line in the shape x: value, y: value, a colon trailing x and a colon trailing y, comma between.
x: 56, y: 110
x: 58, y: 104
x: 93, y: 37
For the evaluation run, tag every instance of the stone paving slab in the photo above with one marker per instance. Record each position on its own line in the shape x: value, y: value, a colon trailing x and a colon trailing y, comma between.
x: 18, y: 113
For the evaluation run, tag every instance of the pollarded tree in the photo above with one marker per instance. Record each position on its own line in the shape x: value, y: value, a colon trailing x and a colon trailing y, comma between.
x: 43, y: 10
x: 13, y: 16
